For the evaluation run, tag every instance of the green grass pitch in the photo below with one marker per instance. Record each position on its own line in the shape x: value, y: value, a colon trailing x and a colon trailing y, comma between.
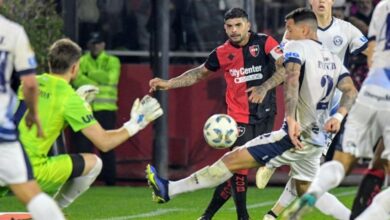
x: 121, y: 203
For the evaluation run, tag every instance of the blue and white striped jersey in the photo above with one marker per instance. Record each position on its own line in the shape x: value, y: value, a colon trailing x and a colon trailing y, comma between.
x: 16, y: 56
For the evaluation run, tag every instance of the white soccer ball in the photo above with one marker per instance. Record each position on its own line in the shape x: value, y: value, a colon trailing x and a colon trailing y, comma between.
x: 220, y: 131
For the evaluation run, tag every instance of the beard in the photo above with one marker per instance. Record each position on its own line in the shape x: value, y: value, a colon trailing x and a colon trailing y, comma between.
x: 236, y: 39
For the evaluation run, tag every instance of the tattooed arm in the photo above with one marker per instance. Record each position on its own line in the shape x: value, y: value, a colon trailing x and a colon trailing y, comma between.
x: 188, y: 78
x: 348, y: 98
x: 291, y: 88
x: 259, y: 92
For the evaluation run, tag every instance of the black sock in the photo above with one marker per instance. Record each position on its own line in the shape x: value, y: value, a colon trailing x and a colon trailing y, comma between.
x: 221, y: 194
x: 239, y: 188
x: 369, y: 187
x: 270, y: 212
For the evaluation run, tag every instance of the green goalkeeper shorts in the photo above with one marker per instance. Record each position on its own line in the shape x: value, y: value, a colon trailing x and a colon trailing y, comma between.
x: 53, y: 172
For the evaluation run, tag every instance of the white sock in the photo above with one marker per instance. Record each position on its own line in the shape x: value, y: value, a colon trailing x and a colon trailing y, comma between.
x: 328, y: 177
x: 289, y: 194
x: 327, y: 203
x: 43, y: 207
x: 75, y: 187
x: 330, y: 205
x: 207, y: 177
x: 379, y: 208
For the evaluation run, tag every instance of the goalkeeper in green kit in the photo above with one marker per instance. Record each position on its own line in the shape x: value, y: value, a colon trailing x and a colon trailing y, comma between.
x: 69, y: 175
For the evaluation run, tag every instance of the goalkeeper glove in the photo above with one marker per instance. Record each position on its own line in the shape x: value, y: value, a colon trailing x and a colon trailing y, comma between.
x: 142, y: 113
x: 87, y: 92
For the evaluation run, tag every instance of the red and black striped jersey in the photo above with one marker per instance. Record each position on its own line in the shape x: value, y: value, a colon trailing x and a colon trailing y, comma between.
x: 244, y: 67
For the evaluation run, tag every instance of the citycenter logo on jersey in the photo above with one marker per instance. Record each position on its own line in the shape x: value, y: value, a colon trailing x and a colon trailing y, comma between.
x: 242, y: 75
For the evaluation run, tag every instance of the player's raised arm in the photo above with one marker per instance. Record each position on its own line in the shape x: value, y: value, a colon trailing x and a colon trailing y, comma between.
x: 142, y: 113
x: 188, y: 78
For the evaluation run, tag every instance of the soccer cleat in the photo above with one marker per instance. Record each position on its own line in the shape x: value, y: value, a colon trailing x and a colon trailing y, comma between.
x: 158, y: 184
x: 263, y: 175
x: 300, y: 207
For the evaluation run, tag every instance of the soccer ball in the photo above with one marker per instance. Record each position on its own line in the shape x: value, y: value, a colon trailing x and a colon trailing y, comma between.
x: 220, y: 131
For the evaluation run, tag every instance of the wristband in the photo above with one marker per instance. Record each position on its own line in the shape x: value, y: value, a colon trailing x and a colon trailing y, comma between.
x: 131, y: 127
x: 338, y: 116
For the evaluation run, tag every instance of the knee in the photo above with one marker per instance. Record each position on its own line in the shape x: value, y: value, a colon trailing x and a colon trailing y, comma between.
x: 93, y: 164
x: 229, y: 159
x: 347, y: 160
x: 238, y: 159
x: 301, y: 187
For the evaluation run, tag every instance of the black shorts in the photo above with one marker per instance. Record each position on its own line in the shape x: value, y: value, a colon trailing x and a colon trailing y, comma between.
x: 247, y: 132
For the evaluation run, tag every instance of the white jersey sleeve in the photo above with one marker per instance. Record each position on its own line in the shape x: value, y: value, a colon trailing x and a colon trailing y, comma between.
x: 294, y: 52
x: 24, y: 56
x: 357, y: 41
x: 379, y: 30
x: 343, y: 72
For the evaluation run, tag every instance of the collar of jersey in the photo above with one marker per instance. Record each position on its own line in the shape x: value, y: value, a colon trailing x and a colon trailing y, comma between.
x: 327, y: 27
x: 55, y: 77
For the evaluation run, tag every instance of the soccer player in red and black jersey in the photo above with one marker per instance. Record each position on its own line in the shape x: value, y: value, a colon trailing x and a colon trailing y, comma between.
x: 252, y: 66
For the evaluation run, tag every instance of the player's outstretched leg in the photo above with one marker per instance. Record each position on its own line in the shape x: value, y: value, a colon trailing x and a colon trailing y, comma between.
x: 207, y: 177
x: 329, y: 176
x: 158, y: 184
x: 300, y: 207
x: 327, y: 204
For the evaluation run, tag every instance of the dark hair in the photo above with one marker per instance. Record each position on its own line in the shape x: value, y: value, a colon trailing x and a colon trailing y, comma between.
x: 62, y: 55
x: 235, y: 13
x: 303, y: 14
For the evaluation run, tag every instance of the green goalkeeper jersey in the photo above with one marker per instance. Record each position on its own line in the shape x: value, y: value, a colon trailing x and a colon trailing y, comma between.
x: 58, y: 106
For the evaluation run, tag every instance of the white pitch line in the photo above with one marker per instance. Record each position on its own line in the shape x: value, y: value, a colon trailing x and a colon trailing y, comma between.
x: 256, y: 205
x: 146, y: 215
x: 165, y: 211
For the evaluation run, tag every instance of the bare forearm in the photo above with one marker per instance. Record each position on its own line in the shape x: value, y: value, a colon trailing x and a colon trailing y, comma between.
x: 291, y: 87
x: 349, y: 95
x: 370, y: 52
x: 110, y: 139
x: 347, y: 101
x: 290, y: 97
x: 189, y: 77
x: 276, y: 79
x: 30, y: 94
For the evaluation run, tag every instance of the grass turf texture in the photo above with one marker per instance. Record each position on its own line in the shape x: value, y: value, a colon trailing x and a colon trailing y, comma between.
x: 121, y: 203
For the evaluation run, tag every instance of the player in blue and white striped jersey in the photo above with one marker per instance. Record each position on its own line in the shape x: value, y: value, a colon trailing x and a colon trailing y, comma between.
x: 343, y: 39
x: 15, y: 168
x: 368, y: 121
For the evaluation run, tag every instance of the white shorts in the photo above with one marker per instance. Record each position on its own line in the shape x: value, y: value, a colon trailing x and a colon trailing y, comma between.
x: 275, y: 149
x: 368, y: 120
x: 304, y: 164
x: 15, y: 167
